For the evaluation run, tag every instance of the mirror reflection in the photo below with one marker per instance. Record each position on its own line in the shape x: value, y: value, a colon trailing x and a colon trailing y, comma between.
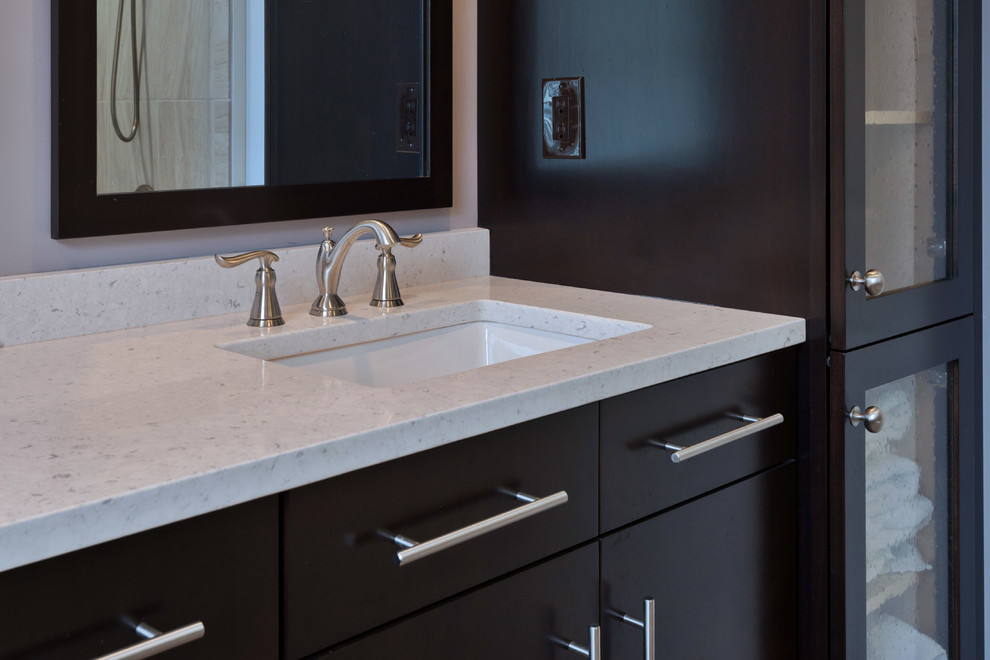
x: 342, y: 99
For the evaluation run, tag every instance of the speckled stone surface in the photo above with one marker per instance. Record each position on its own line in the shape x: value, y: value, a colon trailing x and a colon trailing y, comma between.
x: 113, y: 433
x: 80, y: 302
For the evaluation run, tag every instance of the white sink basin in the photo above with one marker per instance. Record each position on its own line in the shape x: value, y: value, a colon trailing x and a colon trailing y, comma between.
x: 398, y: 349
x: 421, y: 355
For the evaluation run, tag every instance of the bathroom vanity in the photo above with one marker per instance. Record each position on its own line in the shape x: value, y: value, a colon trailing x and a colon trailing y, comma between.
x: 159, y: 478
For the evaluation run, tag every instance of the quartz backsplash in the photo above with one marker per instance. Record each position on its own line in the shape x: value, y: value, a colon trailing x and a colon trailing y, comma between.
x: 39, y: 307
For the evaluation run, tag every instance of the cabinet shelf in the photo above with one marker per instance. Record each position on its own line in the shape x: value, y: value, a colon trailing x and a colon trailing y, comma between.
x: 897, y: 117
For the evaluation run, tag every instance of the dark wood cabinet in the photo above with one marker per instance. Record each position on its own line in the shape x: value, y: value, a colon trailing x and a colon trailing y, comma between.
x: 904, y: 529
x: 715, y: 546
x: 316, y: 570
x: 907, y: 477
x: 721, y: 569
x: 341, y: 577
x: 638, y: 475
x: 902, y: 179
x: 219, y: 569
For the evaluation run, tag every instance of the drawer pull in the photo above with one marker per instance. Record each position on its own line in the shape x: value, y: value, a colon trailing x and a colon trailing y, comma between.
x: 157, y: 642
x: 648, y: 625
x: 412, y: 550
x: 756, y: 424
x: 594, y: 649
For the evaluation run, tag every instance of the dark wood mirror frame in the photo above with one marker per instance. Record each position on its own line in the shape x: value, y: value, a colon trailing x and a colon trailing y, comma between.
x: 77, y: 211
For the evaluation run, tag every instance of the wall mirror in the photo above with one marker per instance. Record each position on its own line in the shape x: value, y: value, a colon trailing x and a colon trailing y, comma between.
x: 195, y: 113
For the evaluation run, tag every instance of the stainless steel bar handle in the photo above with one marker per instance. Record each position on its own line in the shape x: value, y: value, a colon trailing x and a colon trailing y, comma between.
x: 756, y: 424
x: 648, y: 625
x: 594, y: 649
x: 414, y: 551
x: 649, y: 629
x: 157, y: 642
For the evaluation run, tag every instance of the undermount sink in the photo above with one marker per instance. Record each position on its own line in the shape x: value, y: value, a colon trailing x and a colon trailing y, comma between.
x: 398, y: 349
x: 421, y: 355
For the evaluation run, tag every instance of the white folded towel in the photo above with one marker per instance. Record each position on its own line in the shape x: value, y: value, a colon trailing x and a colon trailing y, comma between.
x: 896, y: 400
x: 889, y: 638
x: 895, y: 513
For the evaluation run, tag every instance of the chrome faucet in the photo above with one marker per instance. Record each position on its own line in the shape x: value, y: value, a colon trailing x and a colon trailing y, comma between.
x: 331, y: 256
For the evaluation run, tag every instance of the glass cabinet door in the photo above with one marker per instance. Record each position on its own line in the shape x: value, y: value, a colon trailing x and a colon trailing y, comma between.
x: 903, y: 428
x: 902, y: 224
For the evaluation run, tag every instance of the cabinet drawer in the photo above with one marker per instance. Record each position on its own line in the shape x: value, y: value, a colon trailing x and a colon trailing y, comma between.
x: 220, y: 569
x: 341, y: 576
x: 516, y: 617
x: 721, y: 569
x: 639, y: 478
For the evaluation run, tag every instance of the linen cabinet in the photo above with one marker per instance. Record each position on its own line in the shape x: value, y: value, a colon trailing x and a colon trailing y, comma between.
x: 903, y: 433
x: 906, y: 463
x: 901, y: 183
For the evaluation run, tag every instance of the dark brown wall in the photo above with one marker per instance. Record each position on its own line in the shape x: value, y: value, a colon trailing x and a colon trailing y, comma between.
x: 703, y: 175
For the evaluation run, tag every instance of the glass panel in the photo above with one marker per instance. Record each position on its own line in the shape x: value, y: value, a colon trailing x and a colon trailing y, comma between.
x: 908, y: 94
x: 907, y: 519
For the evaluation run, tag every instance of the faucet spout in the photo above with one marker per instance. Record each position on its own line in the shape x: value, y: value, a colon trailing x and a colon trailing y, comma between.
x: 331, y: 257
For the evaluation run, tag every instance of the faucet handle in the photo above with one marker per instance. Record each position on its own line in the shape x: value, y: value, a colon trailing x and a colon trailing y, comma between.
x: 408, y: 241
x: 386, y: 294
x: 265, y: 256
x: 265, y: 312
x: 411, y: 241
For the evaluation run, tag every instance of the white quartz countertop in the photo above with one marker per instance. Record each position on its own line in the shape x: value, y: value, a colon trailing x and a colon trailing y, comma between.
x: 109, y: 434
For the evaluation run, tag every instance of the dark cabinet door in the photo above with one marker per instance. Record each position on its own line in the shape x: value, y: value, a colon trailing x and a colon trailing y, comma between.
x: 721, y: 570
x: 903, y: 172
x: 518, y: 617
x: 341, y: 574
x: 905, y: 497
x: 220, y: 570
x: 639, y: 430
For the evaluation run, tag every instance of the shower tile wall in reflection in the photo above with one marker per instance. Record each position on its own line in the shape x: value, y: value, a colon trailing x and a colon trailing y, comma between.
x: 183, y: 138
x: 907, y: 521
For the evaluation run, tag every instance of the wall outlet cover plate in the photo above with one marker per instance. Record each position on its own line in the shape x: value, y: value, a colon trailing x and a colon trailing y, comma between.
x: 409, y: 126
x: 563, y: 117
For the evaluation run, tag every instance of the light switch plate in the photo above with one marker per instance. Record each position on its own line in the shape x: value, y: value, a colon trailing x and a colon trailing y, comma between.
x: 563, y: 117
